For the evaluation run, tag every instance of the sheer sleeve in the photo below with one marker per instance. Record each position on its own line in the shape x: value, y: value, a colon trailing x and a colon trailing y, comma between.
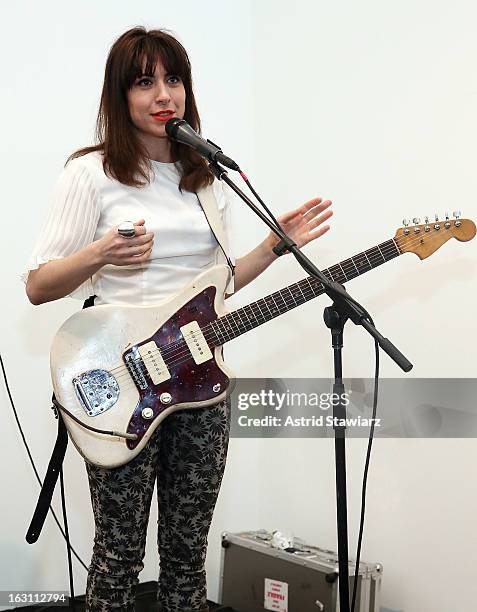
x: 71, y: 222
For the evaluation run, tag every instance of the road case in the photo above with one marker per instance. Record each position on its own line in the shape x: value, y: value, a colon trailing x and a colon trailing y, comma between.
x: 301, y: 578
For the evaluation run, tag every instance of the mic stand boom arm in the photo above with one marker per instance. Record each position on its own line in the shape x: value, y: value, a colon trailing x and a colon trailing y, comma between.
x: 334, y: 290
x: 344, y: 307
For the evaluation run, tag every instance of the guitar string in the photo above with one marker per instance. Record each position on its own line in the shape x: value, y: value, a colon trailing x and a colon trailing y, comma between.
x: 309, y: 293
x: 167, y: 350
x: 389, y: 246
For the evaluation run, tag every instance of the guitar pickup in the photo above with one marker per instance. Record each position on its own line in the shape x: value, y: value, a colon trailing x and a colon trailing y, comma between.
x: 153, y: 362
x: 196, y: 342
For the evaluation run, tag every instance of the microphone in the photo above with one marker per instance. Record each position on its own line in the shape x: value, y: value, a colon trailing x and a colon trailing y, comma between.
x: 179, y: 130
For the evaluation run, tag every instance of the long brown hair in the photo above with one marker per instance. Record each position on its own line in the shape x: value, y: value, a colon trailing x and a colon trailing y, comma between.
x: 124, y: 157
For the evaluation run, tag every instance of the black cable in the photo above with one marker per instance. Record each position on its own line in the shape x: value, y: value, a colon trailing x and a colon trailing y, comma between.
x: 32, y: 462
x: 365, y: 474
x: 264, y: 206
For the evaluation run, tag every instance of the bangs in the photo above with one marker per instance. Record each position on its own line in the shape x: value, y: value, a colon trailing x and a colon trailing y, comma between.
x: 149, y: 50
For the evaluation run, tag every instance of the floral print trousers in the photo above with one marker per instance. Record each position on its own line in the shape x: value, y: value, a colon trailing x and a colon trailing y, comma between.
x: 186, y: 456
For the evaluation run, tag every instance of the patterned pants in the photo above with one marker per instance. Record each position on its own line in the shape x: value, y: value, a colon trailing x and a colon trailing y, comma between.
x: 186, y: 454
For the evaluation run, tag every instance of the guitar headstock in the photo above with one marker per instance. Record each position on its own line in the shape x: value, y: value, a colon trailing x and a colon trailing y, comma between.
x: 424, y: 239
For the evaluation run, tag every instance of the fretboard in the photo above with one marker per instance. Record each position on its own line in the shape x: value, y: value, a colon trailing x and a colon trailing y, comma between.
x: 248, y: 317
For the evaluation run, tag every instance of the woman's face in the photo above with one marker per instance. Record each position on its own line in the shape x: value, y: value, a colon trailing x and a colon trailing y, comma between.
x: 154, y: 100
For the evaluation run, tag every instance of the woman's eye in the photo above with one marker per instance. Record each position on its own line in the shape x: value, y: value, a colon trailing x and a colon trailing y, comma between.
x: 174, y: 79
x: 142, y: 81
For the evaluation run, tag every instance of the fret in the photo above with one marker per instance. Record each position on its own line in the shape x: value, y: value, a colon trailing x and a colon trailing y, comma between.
x: 226, y: 327
x: 389, y: 249
x: 275, y: 302
x: 224, y: 334
x: 216, y: 332
x: 316, y: 285
x: 351, y: 264
x: 257, y: 303
x: 302, y: 294
x: 246, y: 324
x: 375, y: 256
x: 379, y: 249
x: 328, y: 275
x: 264, y: 300
x: 232, y: 324
x: 361, y: 263
x: 291, y: 295
x: 370, y: 264
x: 280, y: 301
x: 337, y: 274
x: 299, y: 297
x: 342, y: 270
x: 274, y: 308
x: 310, y: 284
x: 380, y: 252
x: 238, y: 325
x: 305, y: 289
x: 257, y: 322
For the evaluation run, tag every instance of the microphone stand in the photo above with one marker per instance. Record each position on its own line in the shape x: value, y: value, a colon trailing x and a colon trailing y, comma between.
x: 343, y: 308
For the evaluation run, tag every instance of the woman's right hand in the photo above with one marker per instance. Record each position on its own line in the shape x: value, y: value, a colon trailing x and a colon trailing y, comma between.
x: 120, y: 251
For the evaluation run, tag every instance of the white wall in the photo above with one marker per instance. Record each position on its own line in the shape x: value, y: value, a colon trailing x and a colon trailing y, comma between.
x: 370, y: 104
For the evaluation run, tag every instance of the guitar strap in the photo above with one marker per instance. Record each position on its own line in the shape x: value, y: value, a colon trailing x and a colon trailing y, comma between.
x: 53, y: 471
x: 208, y: 204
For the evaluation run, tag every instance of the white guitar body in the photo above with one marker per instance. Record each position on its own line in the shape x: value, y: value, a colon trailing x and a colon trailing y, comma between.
x: 97, y: 338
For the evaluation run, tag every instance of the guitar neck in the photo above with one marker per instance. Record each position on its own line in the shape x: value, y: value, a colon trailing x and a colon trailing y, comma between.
x: 248, y: 317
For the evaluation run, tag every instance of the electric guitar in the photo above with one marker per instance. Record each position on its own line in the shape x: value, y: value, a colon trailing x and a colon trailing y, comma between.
x: 118, y: 371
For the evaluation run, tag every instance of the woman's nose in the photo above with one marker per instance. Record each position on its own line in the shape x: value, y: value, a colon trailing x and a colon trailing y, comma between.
x: 162, y: 93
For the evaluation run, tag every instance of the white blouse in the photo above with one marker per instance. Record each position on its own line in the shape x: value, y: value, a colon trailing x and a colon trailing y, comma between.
x: 87, y: 203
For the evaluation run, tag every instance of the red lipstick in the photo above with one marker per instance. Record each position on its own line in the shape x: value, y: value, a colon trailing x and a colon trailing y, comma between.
x: 163, y: 115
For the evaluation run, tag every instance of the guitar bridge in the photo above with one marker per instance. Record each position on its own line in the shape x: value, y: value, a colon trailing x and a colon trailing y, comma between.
x: 135, y: 366
x: 96, y: 390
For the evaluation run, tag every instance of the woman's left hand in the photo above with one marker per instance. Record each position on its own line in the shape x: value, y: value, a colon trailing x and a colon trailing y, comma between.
x: 300, y: 223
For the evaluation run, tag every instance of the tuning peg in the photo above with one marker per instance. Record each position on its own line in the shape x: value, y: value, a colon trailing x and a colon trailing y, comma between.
x: 436, y: 217
x: 447, y: 215
x: 416, y: 220
x: 457, y: 214
x: 405, y: 222
x: 426, y: 220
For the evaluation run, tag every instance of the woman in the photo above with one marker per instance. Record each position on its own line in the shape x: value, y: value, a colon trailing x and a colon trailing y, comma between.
x: 136, y: 172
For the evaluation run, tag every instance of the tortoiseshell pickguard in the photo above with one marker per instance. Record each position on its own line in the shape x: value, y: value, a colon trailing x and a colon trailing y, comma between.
x: 189, y: 382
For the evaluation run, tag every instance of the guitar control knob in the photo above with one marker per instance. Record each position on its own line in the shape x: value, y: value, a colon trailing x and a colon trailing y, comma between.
x: 165, y: 398
x: 147, y: 413
x: 416, y: 220
x: 216, y: 388
x: 457, y: 214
